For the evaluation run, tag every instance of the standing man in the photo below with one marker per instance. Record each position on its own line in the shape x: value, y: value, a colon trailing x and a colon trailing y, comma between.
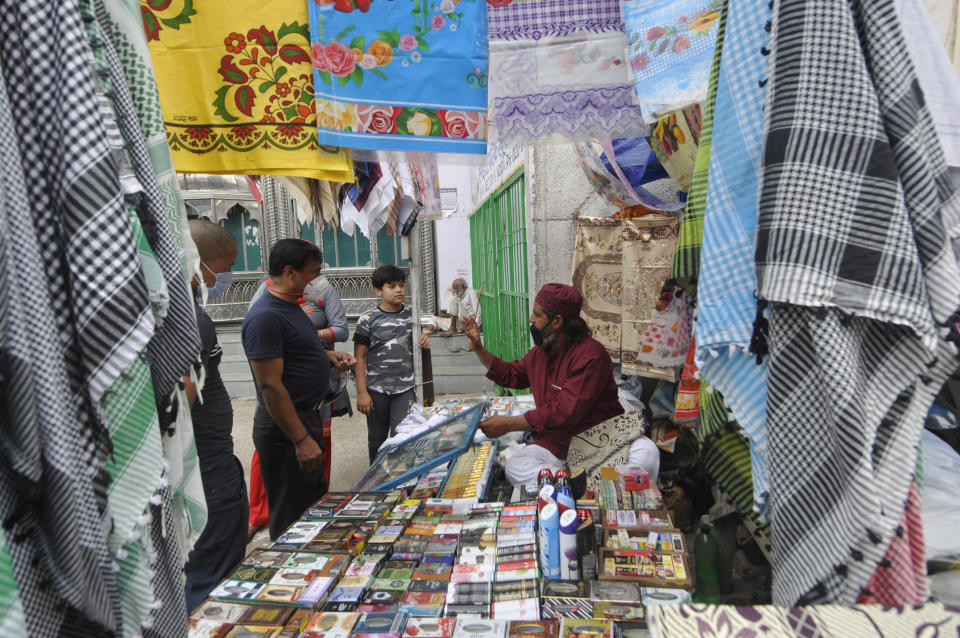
x: 223, y: 542
x: 291, y: 369
x: 570, y: 374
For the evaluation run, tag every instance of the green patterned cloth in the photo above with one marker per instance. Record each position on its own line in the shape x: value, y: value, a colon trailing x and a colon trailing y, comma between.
x: 725, y: 452
x: 179, y: 448
x: 12, y: 622
x: 686, y: 259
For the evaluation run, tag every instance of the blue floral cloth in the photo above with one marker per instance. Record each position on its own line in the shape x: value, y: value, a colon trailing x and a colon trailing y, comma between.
x: 402, y: 76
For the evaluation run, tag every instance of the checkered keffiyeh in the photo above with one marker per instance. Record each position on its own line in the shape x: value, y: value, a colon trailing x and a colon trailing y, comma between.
x: 535, y: 19
x: 725, y: 291
x: 856, y: 213
x: 68, y: 328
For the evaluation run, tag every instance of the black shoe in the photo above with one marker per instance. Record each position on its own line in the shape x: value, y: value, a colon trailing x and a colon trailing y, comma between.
x: 578, y: 482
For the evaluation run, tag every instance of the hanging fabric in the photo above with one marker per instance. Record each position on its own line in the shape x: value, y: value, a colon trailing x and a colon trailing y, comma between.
x: 558, y: 71
x: 609, y: 180
x: 664, y: 344
x: 725, y: 453
x: 726, y: 307
x: 675, y: 138
x: 237, y: 90
x: 401, y: 79
x: 66, y: 341
x: 819, y: 621
x: 620, y: 266
x: 670, y: 45
x: 687, y: 403
x: 856, y: 352
x: 938, y: 78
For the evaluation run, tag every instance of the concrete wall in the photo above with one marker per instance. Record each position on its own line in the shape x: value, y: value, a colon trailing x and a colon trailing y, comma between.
x: 557, y: 190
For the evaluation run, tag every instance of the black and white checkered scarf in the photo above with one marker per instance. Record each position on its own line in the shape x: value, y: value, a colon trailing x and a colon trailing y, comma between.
x: 853, y: 250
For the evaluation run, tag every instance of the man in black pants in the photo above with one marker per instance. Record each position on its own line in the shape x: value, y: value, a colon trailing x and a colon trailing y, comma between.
x: 223, y: 541
x: 291, y: 369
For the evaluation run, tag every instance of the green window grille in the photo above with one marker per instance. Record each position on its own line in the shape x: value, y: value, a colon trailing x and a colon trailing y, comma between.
x: 498, y: 242
x: 340, y: 250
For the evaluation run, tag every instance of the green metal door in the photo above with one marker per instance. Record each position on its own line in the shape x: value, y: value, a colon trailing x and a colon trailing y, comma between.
x: 498, y: 243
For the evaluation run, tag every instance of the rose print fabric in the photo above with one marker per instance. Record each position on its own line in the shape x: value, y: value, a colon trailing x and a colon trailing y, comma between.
x: 670, y: 45
x: 400, y: 76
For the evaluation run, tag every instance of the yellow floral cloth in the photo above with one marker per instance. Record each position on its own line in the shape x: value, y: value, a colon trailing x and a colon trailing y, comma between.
x: 236, y: 88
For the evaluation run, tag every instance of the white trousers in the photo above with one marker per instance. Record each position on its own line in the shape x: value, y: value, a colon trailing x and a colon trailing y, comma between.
x: 525, y: 464
x: 645, y: 453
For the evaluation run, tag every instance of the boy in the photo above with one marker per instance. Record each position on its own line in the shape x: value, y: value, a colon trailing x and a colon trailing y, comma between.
x: 383, y: 348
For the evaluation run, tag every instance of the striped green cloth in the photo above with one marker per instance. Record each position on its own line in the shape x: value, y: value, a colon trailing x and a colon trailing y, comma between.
x: 686, y: 258
x: 725, y: 453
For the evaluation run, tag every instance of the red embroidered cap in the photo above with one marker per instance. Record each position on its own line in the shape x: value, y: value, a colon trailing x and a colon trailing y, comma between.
x: 560, y: 299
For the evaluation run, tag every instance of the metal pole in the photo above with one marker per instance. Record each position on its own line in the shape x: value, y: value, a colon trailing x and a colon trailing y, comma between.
x: 413, y: 246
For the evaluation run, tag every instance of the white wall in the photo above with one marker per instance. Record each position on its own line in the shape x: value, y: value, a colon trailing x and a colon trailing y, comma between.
x: 452, y: 240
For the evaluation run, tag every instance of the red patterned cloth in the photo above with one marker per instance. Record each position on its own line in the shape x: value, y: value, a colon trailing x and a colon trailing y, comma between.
x: 901, y: 579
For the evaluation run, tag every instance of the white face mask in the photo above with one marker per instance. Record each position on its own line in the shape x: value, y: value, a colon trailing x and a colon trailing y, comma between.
x: 316, y: 289
x: 222, y: 283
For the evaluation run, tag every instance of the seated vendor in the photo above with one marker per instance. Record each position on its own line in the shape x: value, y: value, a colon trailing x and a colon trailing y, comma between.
x: 570, y: 374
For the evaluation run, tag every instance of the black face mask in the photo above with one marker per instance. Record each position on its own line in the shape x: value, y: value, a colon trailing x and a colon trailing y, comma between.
x: 538, y: 335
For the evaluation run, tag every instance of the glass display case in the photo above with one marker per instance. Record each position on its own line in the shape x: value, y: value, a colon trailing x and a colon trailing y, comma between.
x: 440, y: 444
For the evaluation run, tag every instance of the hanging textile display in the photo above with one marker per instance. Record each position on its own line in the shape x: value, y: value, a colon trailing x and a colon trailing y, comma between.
x: 401, y: 79
x: 427, y: 179
x: 725, y: 453
x: 236, y: 87
x: 687, y: 402
x: 726, y: 307
x: 818, y: 621
x: 620, y: 266
x: 856, y: 355
x: 64, y: 220
x: 609, y: 180
x: 670, y: 46
x: 938, y: 79
x: 558, y: 71
x: 664, y: 343
x: 384, y: 197
x: 675, y: 138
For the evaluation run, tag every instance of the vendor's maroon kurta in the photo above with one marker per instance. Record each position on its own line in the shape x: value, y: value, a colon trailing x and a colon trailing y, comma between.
x: 573, y: 387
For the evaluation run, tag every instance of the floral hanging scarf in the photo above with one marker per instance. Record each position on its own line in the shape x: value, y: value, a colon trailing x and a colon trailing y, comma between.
x: 403, y: 76
x: 236, y: 87
x: 670, y: 47
x: 558, y: 71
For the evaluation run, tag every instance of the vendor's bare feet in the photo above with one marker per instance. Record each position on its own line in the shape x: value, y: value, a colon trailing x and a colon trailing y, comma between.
x: 446, y: 333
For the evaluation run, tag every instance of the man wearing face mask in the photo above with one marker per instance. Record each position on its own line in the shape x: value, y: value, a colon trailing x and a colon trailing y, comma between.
x: 223, y: 541
x: 291, y: 370
x: 569, y: 373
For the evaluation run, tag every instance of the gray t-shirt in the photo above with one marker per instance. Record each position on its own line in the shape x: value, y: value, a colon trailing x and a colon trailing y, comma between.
x: 389, y: 340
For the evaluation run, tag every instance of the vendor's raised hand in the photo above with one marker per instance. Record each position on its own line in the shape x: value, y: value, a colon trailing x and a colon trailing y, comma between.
x: 424, y: 342
x: 472, y: 330
x: 364, y: 402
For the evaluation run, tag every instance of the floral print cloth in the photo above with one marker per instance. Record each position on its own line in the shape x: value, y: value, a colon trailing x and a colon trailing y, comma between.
x: 671, y: 49
x: 823, y: 621
x: 558, y: 71
x: 236, y: 88
x: 402, y: 76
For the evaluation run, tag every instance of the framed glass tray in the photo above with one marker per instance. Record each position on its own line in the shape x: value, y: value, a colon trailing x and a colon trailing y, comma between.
x: 440, y: 444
